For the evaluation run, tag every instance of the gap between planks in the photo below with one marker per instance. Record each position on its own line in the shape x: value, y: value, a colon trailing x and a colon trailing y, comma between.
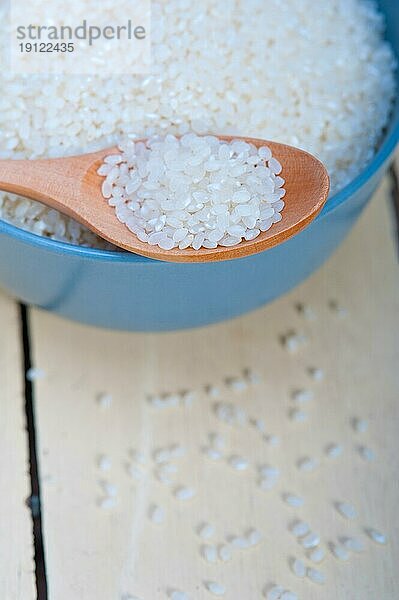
x: 34, y: 500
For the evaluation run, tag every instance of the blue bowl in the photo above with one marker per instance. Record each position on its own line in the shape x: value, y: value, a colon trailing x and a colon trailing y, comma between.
x: 124, y: 291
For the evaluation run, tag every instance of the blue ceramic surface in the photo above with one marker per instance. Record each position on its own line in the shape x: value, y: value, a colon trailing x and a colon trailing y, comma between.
x: 124, y: 291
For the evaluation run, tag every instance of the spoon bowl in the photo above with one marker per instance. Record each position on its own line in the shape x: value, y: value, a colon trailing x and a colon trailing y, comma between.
x: 72, y: 186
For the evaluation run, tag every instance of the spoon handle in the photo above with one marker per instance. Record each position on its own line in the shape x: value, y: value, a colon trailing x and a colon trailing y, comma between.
x: 56, y: 182
x: 36, y: 179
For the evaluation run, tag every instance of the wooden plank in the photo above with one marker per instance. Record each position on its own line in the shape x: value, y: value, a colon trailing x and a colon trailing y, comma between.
x: 17, y: 580
x: 98, y: 552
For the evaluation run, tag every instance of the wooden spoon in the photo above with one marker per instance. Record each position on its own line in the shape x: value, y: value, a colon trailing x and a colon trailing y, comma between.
x: 72, y: 186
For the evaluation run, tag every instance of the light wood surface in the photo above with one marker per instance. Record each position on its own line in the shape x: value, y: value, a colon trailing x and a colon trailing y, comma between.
x: 72, y: 186
x: 16, y: 543
x: 99, y: 553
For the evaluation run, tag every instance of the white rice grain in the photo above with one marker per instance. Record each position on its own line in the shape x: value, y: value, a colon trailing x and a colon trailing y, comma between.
x: 104, y: 400
x: 302, y: 396
x: 156, y: 514
x: 206, y: 531
x: 346, y: 510
x: 317, y: 554
x: 311, y: 540
x: 293, y: 500
x: 177, y: 595
x: 366, y: 453
x: 215, y: 588
x: 104, y: 462
x: 316, y: 373
x: 238, y: 463
x: 307, y: 464
x: 184, y: 493
x: 298, y: 416
x: 34, y: 373
x: 353, y: 544
x: 376, y: 536
x: 209, y: 553
x: 339, y: 551
x: 298, y: 567
x: 334, y: 450
x: 274, y: 593
x: 360, y: 425
x: 316, y: 576
x: 299, y: 528
x: 225, y: 552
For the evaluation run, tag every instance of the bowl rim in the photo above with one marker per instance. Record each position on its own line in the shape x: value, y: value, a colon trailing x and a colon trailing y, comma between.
x: 382, y: 155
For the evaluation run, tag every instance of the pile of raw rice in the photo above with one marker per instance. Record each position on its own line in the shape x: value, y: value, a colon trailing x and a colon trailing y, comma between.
x: 194, y: 191
x: 317, y: 75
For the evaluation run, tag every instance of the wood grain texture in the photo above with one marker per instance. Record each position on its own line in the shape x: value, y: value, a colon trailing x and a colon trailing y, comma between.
x: 95, y: 553
x: 17, y: 580
x: 72, y: 186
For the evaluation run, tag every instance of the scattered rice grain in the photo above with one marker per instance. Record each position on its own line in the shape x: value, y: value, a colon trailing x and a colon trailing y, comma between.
x: 224, y: 552
x: 184, y: 493
x: 346, y: 510
x: 206, y: 531
x: 209, y: 553
x: 307, y: 464
x: 293, y: 500
x: 366, y: 453
x: 215, y: 588
x: 317, y: 555
x: 299, y: 528
x: 311, y: 540
x: 334, y: 450
x: 298, y: 567
x: 376, y: 536
x: 353, y: 544
x: 104, y: 400
x: 340, y: 552
x: 316, y: 576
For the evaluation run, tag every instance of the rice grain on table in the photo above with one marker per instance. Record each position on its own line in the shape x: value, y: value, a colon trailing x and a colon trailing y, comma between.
x: 177, y: 595
x: 274, y: 593
x: 105, y: 400
x: 209, y: 553
x: 299, y: 528
x: 206, y: 531
x: 287, y: 595
x: 353, y: 544
x: 346, y: 510
x: 293, y: 500
x: 156, y: 514
x: 316, y: 576
x: 334, y: 102
x: 311, y: 540
x: 34, y: 373
x: 298, y: 567
x: 307, y: 464
x: 184, y: 493
x: 217, y: 589
x: 360, y: 425
x: 317, y: 554
x: 376, y: 536
x: 224, y: 552
x: 366, y: 453
x: 104, y: 462
x: 334, y: 450
x: 239, y: 463
x: 339, y: 551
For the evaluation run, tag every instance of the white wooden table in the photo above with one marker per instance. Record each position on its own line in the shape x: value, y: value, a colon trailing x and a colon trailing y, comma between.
x: 91, y: 538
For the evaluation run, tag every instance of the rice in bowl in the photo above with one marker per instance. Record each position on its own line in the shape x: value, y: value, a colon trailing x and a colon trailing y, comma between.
x: 314, y: 75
